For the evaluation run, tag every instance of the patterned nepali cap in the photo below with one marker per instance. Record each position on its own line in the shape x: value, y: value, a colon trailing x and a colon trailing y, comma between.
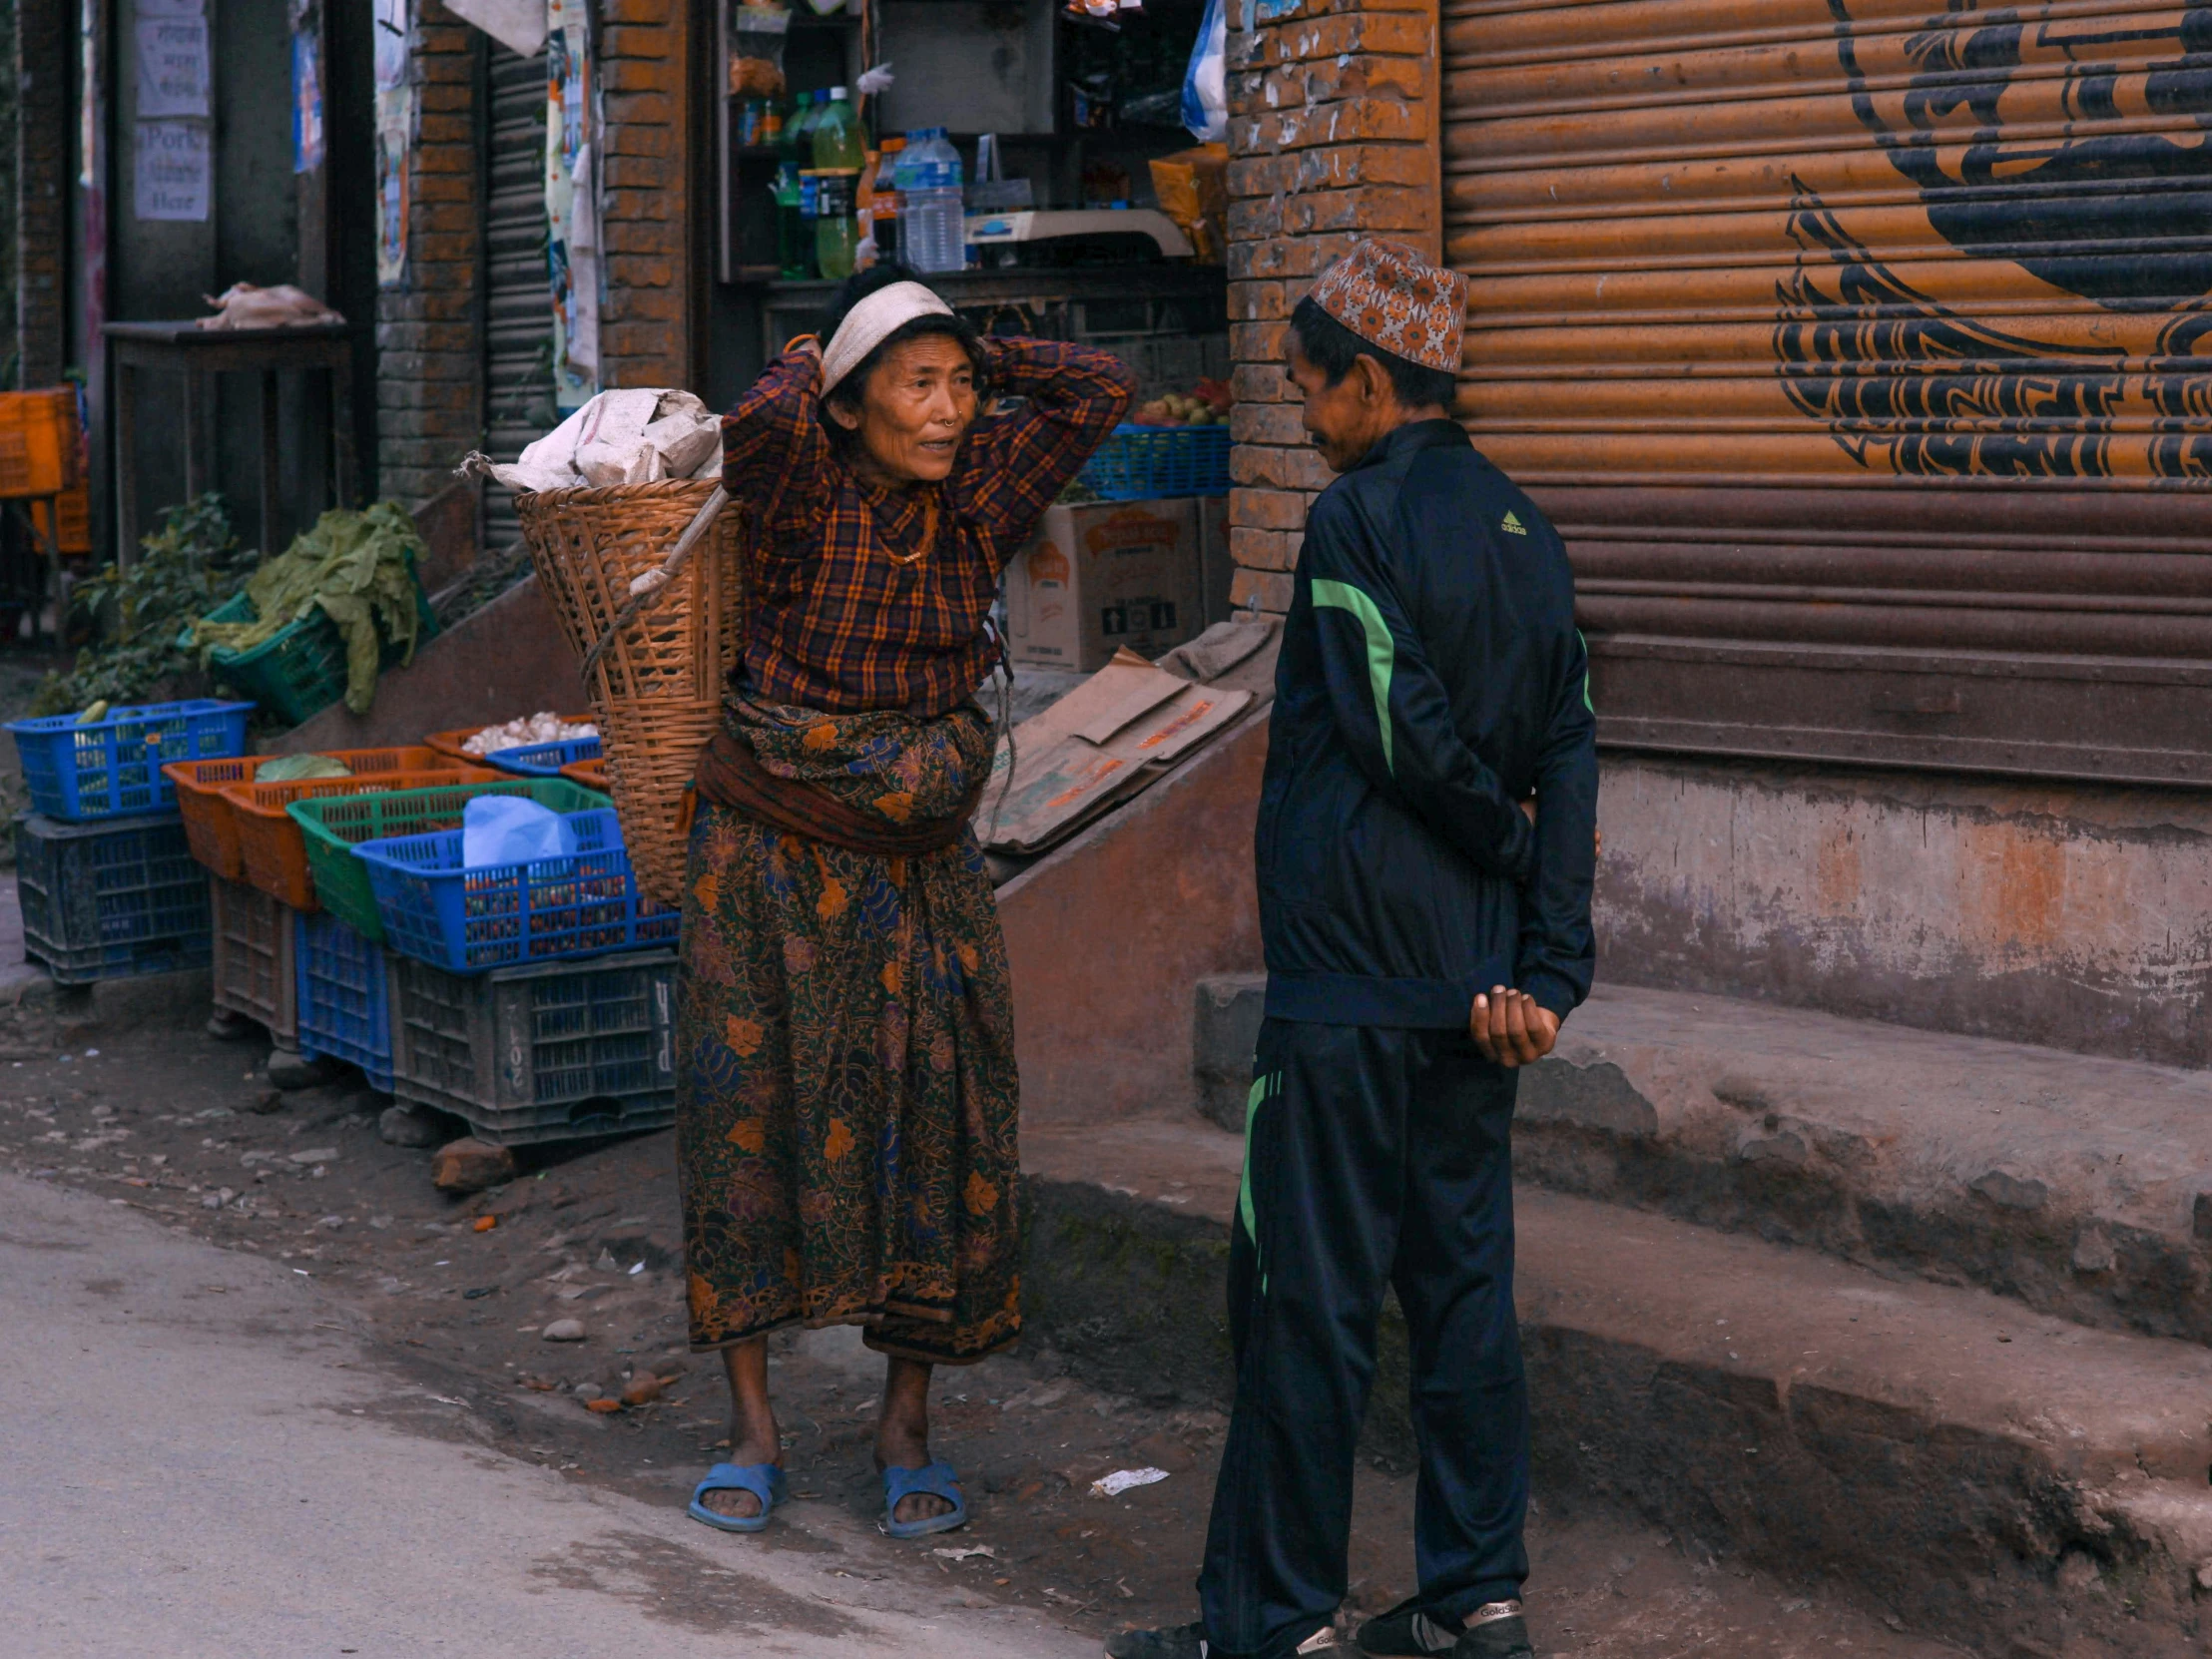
x: 1383, y: 294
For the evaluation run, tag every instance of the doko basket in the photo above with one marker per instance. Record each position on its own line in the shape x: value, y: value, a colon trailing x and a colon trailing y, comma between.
x: 256, y: 972
x: 330, y: 824
x: 270, y: 843
x: 557, y: 1051
x: 656, y: 692
x: 112, y: 768
x: 108, y: 900
x: 299, y: 670
x: 345, y: 997
x: 584, y: 903
x: 1148, y: 463
x: 211, y: 824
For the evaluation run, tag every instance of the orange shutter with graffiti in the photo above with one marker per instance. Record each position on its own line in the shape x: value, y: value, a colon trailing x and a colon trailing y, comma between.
x: 1862, y: 352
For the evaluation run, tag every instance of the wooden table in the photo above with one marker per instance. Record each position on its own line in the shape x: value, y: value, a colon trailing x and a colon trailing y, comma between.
x: 195, y: 352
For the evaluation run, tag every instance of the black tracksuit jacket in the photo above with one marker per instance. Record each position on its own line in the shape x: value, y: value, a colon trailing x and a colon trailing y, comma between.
x: 1430, y: 679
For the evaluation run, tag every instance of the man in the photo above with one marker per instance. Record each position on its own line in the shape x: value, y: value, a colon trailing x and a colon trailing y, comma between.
x: 1427, y: 926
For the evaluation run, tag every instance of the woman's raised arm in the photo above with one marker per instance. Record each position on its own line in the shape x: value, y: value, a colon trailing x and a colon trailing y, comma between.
x: 775, y: 456
x: 1017, y: 462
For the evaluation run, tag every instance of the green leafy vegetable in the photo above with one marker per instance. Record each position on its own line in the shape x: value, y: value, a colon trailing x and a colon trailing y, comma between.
x: 293, y: 769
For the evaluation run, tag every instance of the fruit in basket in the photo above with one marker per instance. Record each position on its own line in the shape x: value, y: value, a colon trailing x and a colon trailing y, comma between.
x: 95, y: 714
x: 1207, y: 405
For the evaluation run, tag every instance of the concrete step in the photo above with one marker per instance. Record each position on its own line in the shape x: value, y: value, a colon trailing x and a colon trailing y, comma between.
x: 2081, y: 1186
x: 2008, y: 1480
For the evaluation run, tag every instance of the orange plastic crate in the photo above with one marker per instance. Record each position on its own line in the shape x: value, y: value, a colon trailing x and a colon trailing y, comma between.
x: 591, y: 774
x: 75, y: 535
x: 450, y: 743
x: 274, y: 856
x: 38, y: 441
x: 211, y: 827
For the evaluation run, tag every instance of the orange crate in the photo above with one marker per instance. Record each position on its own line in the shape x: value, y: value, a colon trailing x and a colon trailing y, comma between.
x: 269, y: 845
x: 450, y: 743
x: 591, y: 774
x: 38, y: 441
x: 211, y: 827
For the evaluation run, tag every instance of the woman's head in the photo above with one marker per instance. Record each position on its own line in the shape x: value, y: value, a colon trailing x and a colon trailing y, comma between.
x: 901, y: 413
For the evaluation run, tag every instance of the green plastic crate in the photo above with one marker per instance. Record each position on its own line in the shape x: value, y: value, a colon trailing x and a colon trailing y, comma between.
x: 299, y: 670
x: 330, y: 824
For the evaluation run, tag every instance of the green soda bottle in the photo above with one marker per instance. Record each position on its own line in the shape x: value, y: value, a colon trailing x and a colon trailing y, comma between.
x: 794, y: 243
x: 840, y: 153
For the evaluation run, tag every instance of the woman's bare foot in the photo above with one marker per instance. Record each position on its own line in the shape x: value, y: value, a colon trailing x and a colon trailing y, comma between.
x: 903, y: 1435
x: 754, y: 1437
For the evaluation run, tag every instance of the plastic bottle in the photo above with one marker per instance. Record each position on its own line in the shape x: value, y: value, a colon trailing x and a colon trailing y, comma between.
x: 885, y: 222
x: 932, y: 229
x: 840, y: 154
x: 794, y: 244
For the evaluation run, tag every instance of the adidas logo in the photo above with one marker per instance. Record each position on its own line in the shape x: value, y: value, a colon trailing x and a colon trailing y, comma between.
x: 1512, y: 524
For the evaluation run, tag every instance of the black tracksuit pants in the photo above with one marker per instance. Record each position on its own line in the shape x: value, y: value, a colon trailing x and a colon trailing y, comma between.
x: 1373, y: 1156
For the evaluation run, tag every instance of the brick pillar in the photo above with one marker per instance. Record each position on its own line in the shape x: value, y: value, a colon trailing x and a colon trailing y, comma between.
x: 1333, y: 135
x: 44, y: 40
x: 643, y: 334
x: 429, y: 333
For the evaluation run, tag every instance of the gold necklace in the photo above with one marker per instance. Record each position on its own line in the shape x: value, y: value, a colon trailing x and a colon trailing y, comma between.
x: 928, y: 536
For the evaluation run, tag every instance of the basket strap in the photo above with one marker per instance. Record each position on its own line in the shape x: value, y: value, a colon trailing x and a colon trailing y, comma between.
x: 647, y: 588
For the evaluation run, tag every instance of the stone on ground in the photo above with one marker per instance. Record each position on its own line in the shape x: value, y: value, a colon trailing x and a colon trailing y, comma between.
x: 470, y: 1165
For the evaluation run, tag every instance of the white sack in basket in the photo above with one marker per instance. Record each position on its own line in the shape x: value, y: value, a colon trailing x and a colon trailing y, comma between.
x: 637, y: 436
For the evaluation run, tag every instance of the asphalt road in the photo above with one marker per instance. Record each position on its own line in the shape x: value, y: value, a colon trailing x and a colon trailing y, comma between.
x: 199, y: 1457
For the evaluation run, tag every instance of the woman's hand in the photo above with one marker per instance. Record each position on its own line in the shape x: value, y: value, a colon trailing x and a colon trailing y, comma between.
x: 1511, y: 1027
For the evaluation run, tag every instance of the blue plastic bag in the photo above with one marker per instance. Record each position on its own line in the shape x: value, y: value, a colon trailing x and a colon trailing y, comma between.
x: 1205, y: 88
x: 510, y: 829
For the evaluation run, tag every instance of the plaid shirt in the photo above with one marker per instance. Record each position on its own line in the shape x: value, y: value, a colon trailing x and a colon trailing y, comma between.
x: 835, y: 625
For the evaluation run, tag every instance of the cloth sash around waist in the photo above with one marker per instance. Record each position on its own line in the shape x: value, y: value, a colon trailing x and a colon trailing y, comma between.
x: 731, y: 774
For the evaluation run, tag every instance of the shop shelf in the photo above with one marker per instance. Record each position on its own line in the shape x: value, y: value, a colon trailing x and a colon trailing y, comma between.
x: 112, y: 768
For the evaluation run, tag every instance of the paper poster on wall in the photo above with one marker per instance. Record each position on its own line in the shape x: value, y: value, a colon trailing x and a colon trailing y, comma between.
x: 389, y: 26
x: 307, y: 100
x: 394, y: 140
x: 171, y: 66
x: 172, y: 172
x: 570, y: 117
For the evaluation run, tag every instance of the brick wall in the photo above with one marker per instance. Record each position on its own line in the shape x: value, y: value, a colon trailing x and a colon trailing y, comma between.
x: 429, y: 333
x: 1333, y: 135
x: 43, y: 42
x: 644, y: 339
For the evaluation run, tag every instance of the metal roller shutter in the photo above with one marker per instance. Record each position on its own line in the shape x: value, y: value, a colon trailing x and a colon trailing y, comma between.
x: 1859, y: 350
x: 518, y: 298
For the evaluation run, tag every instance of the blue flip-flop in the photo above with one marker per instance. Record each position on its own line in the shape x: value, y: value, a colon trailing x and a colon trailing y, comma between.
x: 764, y: 1480
x: 933, y: 1481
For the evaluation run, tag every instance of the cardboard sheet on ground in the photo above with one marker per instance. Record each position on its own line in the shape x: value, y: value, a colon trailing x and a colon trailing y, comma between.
x: 1102, y: 743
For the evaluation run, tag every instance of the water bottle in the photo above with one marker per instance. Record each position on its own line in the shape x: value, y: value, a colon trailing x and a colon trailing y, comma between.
x: 932, y: 229
x: 838, y: 155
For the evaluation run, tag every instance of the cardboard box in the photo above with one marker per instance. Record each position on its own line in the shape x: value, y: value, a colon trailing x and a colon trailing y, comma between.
x: 1103, y: 577
x: 1217, y: 571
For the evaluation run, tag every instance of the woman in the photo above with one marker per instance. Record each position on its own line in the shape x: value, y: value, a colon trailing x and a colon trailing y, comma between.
x: 847, y: 1097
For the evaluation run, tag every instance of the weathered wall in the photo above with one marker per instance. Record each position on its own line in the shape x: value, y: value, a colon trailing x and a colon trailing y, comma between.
x: 644, y: 330
x: 2074, y: 918
x: 429, y: 333
x: 1332, y: 136
x: 43, y: 39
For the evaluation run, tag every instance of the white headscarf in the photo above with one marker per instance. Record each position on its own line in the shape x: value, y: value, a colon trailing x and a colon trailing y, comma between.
x: 871, y: 322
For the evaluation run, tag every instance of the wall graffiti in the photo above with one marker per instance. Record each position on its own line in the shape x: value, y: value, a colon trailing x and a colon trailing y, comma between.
x: 2076, y: 155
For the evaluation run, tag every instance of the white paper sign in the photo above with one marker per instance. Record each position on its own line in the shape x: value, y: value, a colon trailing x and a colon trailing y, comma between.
x: 173, y: 67
x: 171, y: 173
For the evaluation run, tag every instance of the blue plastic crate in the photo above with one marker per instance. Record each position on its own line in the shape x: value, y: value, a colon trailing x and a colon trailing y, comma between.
x: 113, y: 767
x: 1150, y: 463
x: 107, y: 901
x: 543, y: 760
x: 468, y: 920
x: 345, y: 995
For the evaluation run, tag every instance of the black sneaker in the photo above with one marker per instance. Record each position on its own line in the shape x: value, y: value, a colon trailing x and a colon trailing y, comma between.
x: 1496, y: 1630
x: 1408, y: 1629
x: 1182, y: 1641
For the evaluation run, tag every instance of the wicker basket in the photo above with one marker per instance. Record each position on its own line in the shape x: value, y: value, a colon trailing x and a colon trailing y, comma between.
x: 656, y: 692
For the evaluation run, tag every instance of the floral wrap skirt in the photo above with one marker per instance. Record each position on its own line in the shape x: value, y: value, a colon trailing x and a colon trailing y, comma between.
x: 846, y: 1099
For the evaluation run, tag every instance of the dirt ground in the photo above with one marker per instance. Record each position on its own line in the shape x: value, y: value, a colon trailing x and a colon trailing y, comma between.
x: 185, y: 1127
